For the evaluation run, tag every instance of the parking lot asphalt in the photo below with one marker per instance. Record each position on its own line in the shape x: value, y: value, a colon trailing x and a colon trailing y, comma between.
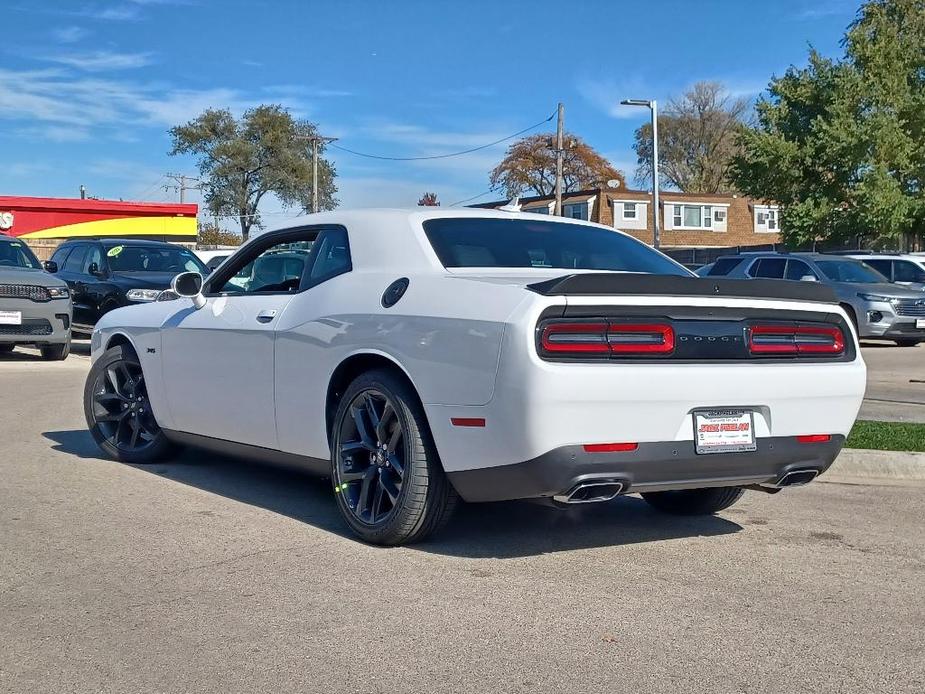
x: 895, y: 382
x: 213, y: 575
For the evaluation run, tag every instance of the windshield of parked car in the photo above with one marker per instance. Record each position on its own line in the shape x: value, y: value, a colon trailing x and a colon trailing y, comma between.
x: 17, y: 254
x: 850, y: 271
x: 508, y: 243
x: 132, y: 258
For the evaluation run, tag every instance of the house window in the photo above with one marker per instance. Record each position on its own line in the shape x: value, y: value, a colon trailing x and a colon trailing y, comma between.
x: 693, y: 217
x: 575, y: 211
x: 767, y: 219
x: 629, y: 210
x: 538, y: 210
x: 719, y: 215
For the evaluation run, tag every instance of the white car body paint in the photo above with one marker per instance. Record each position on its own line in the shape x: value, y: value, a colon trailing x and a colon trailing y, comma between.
x: 465, y: 339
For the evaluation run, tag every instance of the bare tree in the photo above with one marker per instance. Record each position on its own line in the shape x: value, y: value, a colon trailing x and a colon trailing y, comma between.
x: 696, y: 140
x: 429, y: 200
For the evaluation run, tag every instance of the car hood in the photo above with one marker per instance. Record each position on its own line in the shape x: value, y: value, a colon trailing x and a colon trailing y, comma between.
x: 885, y: 288
x: 22, y: 275
x: 143, y: 280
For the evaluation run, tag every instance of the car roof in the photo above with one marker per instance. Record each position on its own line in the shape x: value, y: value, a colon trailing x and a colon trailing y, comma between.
x: 379, y: 237
x: 110, y: 241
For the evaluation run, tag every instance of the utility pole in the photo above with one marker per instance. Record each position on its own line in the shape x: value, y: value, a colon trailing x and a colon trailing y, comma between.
x: 315, y: 140
x: 560, y: 151
x: 181, y: 186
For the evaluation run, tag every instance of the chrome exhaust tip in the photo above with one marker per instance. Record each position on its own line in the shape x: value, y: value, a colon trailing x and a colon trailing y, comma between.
x: 796, y: 478
x: 591, y: 492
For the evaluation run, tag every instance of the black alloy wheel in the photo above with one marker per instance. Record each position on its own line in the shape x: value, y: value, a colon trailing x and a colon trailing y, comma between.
x: 371, y: 460
x: 388, y: 481
x: 118, y: 411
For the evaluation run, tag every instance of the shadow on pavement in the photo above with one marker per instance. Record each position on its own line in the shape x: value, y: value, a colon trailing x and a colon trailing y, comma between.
x: 500, y: 530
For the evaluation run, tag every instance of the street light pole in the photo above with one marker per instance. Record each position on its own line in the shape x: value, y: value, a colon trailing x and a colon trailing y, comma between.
x: 652, y: 105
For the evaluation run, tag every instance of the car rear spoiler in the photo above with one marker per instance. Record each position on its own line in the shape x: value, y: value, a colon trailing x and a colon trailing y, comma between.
x: 610, y: 283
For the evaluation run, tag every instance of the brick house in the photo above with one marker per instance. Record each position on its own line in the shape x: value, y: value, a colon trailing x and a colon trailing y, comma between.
x: 688, y: 220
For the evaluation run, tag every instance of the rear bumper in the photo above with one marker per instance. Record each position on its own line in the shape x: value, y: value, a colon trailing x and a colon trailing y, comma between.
x: 43, y: 322
x: 655, y: 466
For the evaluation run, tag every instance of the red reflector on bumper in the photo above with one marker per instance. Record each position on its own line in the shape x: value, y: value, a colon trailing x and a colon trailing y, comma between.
x: 467, y: 421
x: 610, y: 447
x: 814, y: 438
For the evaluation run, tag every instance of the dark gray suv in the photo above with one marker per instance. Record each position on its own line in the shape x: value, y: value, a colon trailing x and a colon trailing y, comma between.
x: 35, y: 307
x: 879, y: 308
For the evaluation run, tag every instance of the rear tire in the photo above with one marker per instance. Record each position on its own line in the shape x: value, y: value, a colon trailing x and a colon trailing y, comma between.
x: 55, y: 352
x: 694, y: 502
x: 118, y: 412
x: 388, y: 481
x: 906, y: 343
x: 6, y: 349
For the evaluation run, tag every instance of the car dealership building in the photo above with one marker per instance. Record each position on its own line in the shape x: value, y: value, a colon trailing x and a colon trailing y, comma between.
x: 46, y: 222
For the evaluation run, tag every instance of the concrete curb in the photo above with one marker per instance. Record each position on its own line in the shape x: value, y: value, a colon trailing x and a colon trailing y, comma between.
x: 859, y: 465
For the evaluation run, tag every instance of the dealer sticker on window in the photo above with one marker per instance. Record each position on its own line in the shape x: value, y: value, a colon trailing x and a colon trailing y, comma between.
x: 724, y: 431
x: 10, y: 318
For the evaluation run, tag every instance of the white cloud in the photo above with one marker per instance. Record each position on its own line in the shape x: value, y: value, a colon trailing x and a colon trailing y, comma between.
x: 101, y: 61
x: 56, y: 96
x: 69, y: 34
x: 606, y: 95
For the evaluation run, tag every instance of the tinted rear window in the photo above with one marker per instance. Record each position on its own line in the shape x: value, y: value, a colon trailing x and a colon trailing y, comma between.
x: 724, y: 266
x: 507, y: 243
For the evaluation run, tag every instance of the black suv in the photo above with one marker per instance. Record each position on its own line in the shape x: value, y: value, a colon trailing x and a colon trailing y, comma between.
x: 104, y: 274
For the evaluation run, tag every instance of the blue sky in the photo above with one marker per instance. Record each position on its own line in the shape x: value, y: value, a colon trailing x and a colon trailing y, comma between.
x: 89, y: 89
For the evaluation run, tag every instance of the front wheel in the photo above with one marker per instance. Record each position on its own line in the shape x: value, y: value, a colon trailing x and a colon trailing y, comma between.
x: 118, y: 411
x: 55, y: 352
x: 388, y: 481
x: 694, y: 502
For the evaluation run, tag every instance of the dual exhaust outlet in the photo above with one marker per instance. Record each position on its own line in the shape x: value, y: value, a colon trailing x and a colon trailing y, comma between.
x: 593, y: 491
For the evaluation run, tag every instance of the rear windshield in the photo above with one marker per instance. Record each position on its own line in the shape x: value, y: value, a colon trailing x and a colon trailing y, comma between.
x: 474, y: 242
x: 132, y: 258
x: 17, y: 254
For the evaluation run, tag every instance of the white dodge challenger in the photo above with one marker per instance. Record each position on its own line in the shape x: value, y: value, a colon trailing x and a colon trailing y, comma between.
x: 416, y: 357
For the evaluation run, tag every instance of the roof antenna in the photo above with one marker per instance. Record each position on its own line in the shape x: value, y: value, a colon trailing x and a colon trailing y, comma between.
x: 513, y: 205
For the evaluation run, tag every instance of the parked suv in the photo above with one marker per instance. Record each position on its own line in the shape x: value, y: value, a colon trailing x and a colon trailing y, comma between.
x: 104, y: 274
x: 901, y: 268
x: 35, y: 307
x: 878, y: 308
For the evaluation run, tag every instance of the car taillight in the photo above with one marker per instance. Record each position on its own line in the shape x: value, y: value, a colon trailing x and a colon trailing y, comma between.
x: 601, y: 338
x: 795, y: 339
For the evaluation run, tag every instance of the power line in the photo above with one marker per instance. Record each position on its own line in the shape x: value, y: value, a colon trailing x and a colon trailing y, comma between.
x: 445, y: 156
x: 474, y: 197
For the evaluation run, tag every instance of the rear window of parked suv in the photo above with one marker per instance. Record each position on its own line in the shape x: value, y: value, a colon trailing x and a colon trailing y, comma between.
x: 512, y: 243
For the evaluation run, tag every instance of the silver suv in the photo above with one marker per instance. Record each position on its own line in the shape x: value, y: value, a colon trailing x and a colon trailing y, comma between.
x: 878, y: 308
x: 35, y: 307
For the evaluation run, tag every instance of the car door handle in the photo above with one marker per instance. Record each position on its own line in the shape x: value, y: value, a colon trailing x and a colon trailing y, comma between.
x: 266, y: 316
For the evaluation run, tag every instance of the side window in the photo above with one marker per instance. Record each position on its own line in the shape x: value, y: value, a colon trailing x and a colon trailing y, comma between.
x: 94, y: 255
x: 882, y: 265
x: 724, y: 266
x: 275, y: 267
x: 59, y: 255
x: 906, y: 271
x: 769, y: 268
x: 331, y: 256
x: 797, y: 270
x: 75, y: 261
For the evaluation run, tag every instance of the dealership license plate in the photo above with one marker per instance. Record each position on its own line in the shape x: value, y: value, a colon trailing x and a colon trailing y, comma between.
x: 724, y: 431
x: 920, y: 322
x: 10, y: 318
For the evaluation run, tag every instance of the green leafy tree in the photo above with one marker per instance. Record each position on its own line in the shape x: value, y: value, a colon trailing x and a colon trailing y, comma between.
x: 840, y: 144
x: 212, y: 235
x: 243, y: 160
x: 696, y: 140
x: 530, y: 166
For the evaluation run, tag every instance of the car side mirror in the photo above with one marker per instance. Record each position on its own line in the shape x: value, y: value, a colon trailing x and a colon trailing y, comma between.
x: 94, y: 269
x: 808, y: 278
x: 50, y: 266
x: 189, y: 284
